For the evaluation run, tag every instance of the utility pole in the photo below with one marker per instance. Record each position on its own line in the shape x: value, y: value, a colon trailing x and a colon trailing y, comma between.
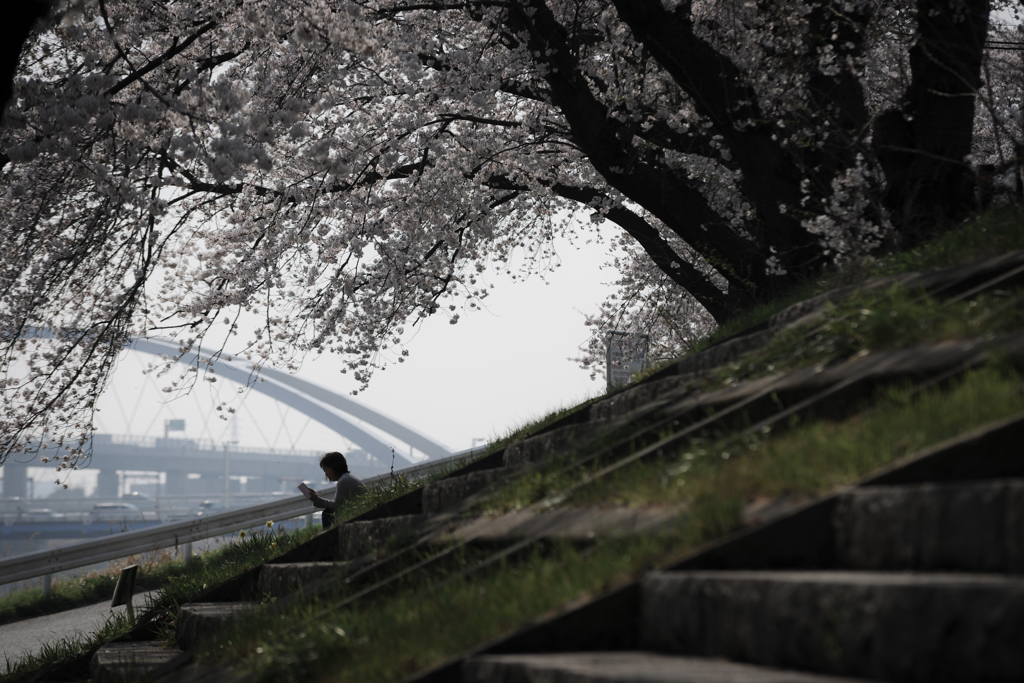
x: 227, y: 475
x: 227, y: 469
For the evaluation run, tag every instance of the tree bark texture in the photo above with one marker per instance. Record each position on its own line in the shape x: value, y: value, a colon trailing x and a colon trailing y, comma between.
x: 923, y: 146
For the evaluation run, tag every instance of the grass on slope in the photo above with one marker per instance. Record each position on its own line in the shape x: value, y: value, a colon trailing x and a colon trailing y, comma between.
x: 423, y: 624
x: 993, y: 233
x: 85, y: 590
x: 816, y: 457
x: 156, y: 569
x: 713, y: 480
x: 804, y: 459
x: 179, y: 583
x: 878, y: 321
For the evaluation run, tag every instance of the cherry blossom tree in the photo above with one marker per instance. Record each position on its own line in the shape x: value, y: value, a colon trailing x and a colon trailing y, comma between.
x: 645, y: 302
x: 338, y: 169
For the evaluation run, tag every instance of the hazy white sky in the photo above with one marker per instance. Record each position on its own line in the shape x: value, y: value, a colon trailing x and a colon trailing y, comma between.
x: 461, y: 384
x: 494, y: 370
x: 476, y: 380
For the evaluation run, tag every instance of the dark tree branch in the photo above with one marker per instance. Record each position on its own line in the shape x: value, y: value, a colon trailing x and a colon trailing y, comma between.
x: 922, y: 145
x: 175, y: 49
x: 609, y: 148
x: 719, y: 92
x: 718, y: 303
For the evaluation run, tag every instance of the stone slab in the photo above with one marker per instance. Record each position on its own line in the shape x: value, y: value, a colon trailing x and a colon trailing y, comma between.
x: 537, y: 448
x: 975, y: 526
x: 447, y: 494
x: 897, y: 626
x: 199, y: 620
x: 569, y: 523
x: 624, y: 667
x: 408, y: 504
x: 805, y: 539
x: 321, y: 548
x: 958, y: 280
x: 356, y: 539
x: 279, y: 580
x: 129, y: 661
x: 643, y: 394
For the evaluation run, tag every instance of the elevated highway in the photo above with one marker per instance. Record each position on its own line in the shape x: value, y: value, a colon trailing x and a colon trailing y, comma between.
x: 193, y: 467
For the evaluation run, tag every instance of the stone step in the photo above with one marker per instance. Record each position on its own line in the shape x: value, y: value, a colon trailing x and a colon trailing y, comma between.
x: 380, y: 536
x: 447, y: 494
x: 130, y: 661
x: 639, y: 397
x: 199, y: 620
x: 886, y: 625
x: 624, y: 667
x: 321, y: 548
x: 575, y: 524
x: 972, y: 526
x: 278, y: 580
x: 557, y: 441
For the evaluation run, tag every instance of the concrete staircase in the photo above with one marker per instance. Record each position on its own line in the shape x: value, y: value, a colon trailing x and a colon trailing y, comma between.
x: 913, y: 576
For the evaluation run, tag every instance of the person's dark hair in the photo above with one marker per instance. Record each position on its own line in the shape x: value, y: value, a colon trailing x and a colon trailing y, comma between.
x: 336, y: 461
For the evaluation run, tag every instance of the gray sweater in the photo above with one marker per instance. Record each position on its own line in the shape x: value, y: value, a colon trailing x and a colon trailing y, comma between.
x: 347, y: 486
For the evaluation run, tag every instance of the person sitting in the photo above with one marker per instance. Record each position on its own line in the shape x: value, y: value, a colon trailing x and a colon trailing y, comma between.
x: 335, y: 468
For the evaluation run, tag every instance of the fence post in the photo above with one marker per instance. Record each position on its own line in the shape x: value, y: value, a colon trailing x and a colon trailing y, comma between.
x: 47, y: 583
x: 309, y: 520
x: 187, y: 552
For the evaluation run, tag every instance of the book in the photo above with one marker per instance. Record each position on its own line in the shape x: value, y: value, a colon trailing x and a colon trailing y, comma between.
x: 306, y: 491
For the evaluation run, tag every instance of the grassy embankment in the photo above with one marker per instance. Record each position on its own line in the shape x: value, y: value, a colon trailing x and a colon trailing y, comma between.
x: 712, y: 481
x: 179, y: 583
x: 711, y: 478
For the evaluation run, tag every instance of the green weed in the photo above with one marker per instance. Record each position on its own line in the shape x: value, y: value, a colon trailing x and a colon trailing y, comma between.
x: 812, y: 457
x: 179, y: 584
x: 713, y: 479
x: 996, y: 232
x: 873, y: 321
x: 389, y: 639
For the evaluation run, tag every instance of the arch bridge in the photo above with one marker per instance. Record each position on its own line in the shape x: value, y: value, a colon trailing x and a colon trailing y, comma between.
x: 216, y: 465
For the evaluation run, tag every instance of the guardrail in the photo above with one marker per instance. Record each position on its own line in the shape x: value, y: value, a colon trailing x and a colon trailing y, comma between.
x: 47, y: 562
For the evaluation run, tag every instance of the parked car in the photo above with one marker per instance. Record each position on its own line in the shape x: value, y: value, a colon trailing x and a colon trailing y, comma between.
x: 32, y: 515
x: 142, y: 500
x: 210, y: 507
x: 124, y: 513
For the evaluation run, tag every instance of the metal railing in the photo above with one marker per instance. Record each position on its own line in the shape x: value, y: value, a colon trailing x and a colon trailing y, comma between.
x: 45, y: 563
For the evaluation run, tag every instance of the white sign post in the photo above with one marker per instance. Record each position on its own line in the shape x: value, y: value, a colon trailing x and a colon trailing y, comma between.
x: 627, y: 355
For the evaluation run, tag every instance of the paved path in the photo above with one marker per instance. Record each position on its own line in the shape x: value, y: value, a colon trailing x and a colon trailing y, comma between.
x: 27, y: 637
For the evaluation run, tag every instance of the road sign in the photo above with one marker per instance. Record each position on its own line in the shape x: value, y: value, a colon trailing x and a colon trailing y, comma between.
x: 627, y: 355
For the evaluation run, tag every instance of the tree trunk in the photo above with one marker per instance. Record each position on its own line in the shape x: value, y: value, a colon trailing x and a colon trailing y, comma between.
x: 20, y: 18
x: 923, y: 146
